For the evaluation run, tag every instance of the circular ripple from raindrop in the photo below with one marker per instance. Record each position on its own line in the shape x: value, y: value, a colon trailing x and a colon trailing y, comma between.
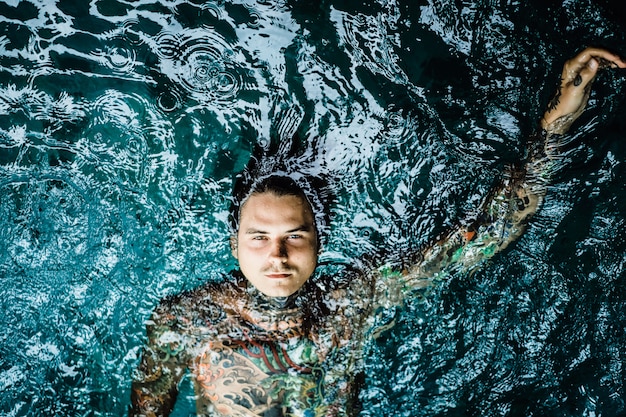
x: 208, y: 78
x: 200, y: 63
x: 169, y: 101
x: 121, y: 59
x: 117, y: 108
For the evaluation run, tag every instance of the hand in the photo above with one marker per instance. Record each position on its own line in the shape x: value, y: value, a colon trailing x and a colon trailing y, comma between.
x: 576, y: 79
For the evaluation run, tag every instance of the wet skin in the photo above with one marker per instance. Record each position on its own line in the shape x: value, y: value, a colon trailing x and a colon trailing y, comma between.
x: 276, y: 244
x: 218, y: 331
x: 576, y: 78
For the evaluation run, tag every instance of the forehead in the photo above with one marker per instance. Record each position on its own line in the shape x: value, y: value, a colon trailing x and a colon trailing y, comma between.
x: 272, y: 208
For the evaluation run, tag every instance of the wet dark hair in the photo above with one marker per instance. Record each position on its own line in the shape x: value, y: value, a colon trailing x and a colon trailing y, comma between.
x: 312, y: 189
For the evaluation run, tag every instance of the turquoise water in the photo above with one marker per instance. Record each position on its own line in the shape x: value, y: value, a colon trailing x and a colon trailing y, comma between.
x: 122, y: 125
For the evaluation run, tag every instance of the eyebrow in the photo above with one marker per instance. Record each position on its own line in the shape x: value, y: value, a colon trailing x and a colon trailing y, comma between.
x: 301, y: 228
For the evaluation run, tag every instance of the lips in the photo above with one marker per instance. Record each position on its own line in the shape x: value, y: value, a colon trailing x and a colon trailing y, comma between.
x: 278, y: 275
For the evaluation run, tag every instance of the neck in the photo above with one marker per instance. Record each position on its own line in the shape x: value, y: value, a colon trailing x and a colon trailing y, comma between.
x: 263, y: 302
x: 280, y: 318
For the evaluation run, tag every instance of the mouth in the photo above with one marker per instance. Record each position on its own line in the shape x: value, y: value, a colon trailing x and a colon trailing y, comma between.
x: 278, y: 275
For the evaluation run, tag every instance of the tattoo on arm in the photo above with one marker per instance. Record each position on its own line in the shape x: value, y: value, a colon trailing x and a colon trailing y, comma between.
x: 555, y: 100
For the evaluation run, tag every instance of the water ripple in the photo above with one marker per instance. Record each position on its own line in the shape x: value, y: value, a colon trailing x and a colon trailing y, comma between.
x: 118, y: 59
x: 202, y: 63
x: 52, y: 218
x: 122, y: 123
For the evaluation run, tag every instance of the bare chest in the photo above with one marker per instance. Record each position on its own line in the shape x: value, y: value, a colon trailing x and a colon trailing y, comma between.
x: 251, y: 378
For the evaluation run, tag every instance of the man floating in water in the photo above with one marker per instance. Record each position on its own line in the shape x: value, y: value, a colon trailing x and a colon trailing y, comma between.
x: 272, y: 341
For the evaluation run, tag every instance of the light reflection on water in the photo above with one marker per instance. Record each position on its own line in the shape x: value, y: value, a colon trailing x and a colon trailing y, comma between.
x: 122, y: 125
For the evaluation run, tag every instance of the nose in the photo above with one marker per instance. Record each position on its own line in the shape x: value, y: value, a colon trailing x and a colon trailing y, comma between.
x: 278, y: 252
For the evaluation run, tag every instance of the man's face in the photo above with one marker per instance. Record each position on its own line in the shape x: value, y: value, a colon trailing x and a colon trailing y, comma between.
x: 276, y: 243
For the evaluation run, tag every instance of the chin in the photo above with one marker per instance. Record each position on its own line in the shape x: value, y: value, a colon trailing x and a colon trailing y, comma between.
x: 279, y: 292
x: 278, y: 287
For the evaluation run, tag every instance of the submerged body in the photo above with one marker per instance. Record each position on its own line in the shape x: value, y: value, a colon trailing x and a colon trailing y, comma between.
x: 275, y: 340
x: 251, y: 354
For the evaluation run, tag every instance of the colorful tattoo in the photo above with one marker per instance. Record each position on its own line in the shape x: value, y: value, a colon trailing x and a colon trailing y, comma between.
x: 249, y: 357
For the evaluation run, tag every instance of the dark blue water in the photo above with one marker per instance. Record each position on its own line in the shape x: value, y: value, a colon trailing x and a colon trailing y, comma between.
x: 122, y: 125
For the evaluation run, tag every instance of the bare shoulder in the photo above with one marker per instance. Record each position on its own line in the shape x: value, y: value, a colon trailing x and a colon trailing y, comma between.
x: 196, y: 310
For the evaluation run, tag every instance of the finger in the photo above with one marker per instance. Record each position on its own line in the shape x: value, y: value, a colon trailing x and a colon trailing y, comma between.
x: 585, y: 65
x: 601, y: 54
x: 605, y: 63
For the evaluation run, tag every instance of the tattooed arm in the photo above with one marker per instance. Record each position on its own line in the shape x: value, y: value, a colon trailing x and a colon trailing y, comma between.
x: 505, y: 213
x: 162, y: 366
x: 576, y: 80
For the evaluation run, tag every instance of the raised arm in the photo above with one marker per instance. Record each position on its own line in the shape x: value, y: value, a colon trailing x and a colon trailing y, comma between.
x: 505, y: 213
x: 576, y: 79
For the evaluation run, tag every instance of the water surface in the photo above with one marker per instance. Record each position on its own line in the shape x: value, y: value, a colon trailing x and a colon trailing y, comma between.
x: 122, y: 125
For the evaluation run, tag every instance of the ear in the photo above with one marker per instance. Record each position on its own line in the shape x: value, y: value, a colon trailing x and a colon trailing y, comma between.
x: 233, y: 245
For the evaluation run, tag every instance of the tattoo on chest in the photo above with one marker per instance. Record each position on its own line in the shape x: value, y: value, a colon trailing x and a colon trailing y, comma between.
x: 240, y: 376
